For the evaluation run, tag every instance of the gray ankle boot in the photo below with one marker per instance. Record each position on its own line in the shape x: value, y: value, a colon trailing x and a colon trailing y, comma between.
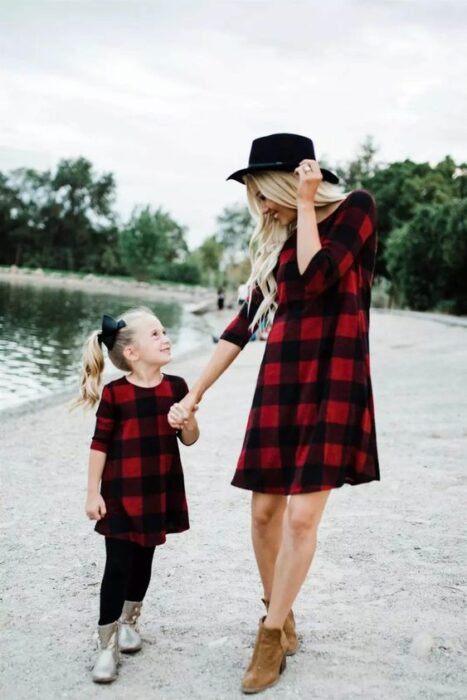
x: 106, y: 667
x: 129, y: 640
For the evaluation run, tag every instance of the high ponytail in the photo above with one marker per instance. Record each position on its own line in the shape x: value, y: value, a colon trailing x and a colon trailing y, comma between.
x: 91, y: 372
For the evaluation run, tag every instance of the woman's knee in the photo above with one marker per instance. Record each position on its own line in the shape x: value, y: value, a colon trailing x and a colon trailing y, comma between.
x: 304, y: 515
x: 266, y: 510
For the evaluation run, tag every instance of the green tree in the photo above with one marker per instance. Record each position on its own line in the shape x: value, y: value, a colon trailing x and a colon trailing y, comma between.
x: 150, y: 242
x: 207, y: 257
x: 427, y: 258
x: 79, y: 215
x: 360, y: 169
x: 454, y: 256
x: 235, y: 227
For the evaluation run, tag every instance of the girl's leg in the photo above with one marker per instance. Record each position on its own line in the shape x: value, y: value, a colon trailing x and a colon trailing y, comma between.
x: 296, y: 552
x: 140, y: 574
x: 267, y: 514
x: 114, y: 585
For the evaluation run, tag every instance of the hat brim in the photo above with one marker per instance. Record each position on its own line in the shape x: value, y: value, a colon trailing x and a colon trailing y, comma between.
x: 284, y: 167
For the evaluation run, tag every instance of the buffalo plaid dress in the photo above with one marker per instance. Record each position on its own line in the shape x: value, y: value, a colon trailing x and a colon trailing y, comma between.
x: 142, y: 483
x: 311, y: 426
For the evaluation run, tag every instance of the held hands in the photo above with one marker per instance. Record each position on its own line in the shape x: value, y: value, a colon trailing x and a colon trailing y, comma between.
x: 309, y: 175
x: 95, y: 507
x: 181, y: 415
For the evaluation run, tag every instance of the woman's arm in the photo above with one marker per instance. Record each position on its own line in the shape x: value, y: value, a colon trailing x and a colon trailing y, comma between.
x: 308, y: 241
x: 353, y: 227
x: 182, y: 411
x: 222, y: 357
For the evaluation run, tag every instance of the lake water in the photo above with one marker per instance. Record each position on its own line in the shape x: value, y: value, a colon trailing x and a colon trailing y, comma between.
x: 42, y: 331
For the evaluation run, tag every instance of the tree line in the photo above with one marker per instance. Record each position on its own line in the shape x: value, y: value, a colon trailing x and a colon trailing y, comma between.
x: 66, y: 219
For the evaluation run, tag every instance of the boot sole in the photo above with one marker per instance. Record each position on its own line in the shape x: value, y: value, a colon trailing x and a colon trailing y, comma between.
x: 252, y: 691
x: 130, y: 651
x: 104, y: 681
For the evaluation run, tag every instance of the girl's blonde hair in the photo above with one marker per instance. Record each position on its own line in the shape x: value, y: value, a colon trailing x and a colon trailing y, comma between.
x: 93, y: 357
x: 269, y: 235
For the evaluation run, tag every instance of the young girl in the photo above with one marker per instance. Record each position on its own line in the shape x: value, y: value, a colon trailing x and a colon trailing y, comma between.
x: 135, y: 459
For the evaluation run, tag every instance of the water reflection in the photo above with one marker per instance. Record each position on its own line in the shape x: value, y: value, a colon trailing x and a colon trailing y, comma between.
x: 42, y: 331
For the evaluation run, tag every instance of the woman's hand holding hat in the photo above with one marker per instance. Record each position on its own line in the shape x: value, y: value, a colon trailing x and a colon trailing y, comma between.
x: 310, y: 176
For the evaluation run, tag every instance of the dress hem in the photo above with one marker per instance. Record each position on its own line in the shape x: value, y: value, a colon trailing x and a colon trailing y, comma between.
x: 149, y: 541
x: 311, y: 489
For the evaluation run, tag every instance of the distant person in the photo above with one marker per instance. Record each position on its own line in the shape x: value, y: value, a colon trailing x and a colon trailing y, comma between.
x: 242, y: 294
x: 220, y: 298
x: 311, y: 427
x: 136, y: 487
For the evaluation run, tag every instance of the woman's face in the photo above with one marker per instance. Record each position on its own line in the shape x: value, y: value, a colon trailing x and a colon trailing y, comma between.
x: 284, y: 215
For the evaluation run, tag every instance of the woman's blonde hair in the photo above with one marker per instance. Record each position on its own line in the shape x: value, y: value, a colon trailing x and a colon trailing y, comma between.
x: 93, y: 356
x: 269, y: 235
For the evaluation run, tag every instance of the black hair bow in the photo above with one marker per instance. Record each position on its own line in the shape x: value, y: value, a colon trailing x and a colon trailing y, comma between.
x: 110, y: 328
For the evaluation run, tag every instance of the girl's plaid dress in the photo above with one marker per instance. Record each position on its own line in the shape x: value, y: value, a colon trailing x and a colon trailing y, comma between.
x: 142, y: 483
x: 311, y: 426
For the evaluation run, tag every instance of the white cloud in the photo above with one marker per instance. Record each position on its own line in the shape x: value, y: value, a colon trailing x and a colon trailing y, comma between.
x: 169, y: 96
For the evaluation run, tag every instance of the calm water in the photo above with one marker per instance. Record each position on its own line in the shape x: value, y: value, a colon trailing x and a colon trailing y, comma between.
x: 42, y: 331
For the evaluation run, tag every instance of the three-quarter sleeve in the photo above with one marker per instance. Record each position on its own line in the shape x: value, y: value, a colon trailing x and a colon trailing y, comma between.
x: 238, y: 331
x: 349, y: 233
x: 105, y: 421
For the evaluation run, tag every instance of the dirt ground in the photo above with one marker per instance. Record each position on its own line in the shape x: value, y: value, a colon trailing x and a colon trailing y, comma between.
x: 381, y: 614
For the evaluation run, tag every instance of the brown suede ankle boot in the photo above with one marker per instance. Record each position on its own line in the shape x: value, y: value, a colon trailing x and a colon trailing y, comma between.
x: 289, y: 630
x: 268, y: 660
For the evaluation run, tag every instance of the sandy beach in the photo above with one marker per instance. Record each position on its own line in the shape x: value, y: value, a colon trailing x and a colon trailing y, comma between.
x: 381, y: 614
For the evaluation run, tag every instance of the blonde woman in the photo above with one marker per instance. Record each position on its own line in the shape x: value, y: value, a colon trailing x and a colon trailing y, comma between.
x: 311, y: 426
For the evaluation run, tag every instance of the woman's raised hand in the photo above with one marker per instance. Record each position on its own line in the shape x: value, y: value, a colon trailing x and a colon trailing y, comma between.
x: 310, y: 176
x: 95, y: 507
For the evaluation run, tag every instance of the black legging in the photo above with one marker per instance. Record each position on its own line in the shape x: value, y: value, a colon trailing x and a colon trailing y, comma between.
x: 127, y: 575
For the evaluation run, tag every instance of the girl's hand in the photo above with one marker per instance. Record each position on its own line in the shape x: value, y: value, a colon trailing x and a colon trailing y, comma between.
x: 179, y: 416
x: 309, y: 176
x: 95, y: 507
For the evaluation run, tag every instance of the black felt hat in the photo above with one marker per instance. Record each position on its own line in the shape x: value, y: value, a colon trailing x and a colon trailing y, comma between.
x: 280, y: 152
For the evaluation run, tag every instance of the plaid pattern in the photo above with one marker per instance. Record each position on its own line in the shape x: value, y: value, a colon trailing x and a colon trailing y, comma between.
x: 142, y: 484
x: 311, y: 426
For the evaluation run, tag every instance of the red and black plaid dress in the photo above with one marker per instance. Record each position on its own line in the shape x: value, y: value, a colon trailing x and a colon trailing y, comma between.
x: 311, y: 426
x: 142, y: 483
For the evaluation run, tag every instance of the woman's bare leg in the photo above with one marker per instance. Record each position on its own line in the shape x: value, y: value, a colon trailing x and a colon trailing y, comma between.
x: 267, y: 515
x: 295, y: 555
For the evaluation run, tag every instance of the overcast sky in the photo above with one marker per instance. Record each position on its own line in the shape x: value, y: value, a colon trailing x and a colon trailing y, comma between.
x: 169, y: 94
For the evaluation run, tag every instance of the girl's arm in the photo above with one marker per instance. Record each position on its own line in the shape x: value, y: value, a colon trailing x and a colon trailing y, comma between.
x: 190, y: 431
x: 105, y: 421
x: 95, y: 505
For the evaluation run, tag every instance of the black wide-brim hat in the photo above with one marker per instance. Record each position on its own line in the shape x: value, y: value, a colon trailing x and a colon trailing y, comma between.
x: 280, y: 152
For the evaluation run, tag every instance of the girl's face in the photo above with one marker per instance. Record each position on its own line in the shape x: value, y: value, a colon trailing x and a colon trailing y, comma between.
x: 151, y: 344
x: 284, y: 215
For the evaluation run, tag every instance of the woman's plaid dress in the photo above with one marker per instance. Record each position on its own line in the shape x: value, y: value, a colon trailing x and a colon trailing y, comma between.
x: 311, y: 426
x: 142, y: 483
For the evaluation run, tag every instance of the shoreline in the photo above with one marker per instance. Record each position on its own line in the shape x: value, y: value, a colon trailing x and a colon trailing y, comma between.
x: 94, y: 284
x: 216, y: 321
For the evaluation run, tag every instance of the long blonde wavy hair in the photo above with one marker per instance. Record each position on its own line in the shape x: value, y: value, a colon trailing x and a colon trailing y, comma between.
x: 93, y: 360
x: 269, y: 235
